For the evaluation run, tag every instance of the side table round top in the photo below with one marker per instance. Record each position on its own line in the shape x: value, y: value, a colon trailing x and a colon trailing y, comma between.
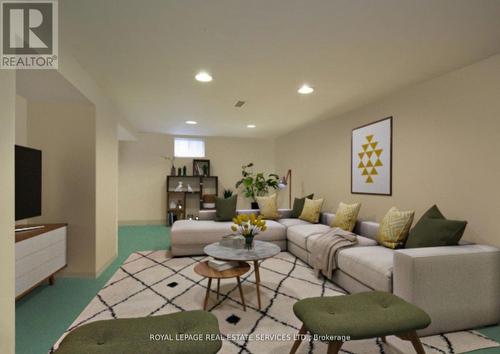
x: 205, y: 270
x: 260, y: 250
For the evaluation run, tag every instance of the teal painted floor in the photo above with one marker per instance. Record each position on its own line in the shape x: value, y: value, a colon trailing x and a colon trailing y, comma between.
x: 43, y: 315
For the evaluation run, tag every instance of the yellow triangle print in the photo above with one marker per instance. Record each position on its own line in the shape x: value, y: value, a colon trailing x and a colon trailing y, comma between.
x: 378, y: 163
x: 361, y: 165
x: 379, y: 152
x: 361, y: 154
x: 369, y: 163
x: 373, y: 172
x: 369, y: 153
x: 374, y: 144
x: 365, y: 172
x: 369, y: 179
x: 365, y: 146
x: 369, y: 138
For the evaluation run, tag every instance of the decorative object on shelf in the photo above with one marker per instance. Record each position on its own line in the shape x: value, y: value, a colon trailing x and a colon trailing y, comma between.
x: 192, y: 191
x: 209, y: 201
x: 286, y: 181
x: 179, y: 171
x: 189, y: 217
x: 197, y: 218
x: 184, y: 171
x: 371, y: 158
x: 257, y: 184
x: 228, y: 193
x: 172, y: 161
x: 201, y: 168
x: 179, y: 187
x: 179, y: 205
x: 248, y: 226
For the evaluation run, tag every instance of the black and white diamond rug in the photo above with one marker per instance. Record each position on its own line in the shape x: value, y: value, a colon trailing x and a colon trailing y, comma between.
x: 152, y: 283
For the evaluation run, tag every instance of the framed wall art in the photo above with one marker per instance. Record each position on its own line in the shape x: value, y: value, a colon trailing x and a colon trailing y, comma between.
x: 371, y: 158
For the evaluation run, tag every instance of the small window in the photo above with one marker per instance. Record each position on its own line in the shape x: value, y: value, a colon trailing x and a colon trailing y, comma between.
x: 187, y: 147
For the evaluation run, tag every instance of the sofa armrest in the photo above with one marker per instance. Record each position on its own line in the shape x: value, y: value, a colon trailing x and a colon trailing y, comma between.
x: 326, y: 218
x: 458, y: 286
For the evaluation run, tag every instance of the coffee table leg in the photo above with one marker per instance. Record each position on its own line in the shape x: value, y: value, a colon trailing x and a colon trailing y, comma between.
x: 218, y: 288
x: 241, y: 294
x: 257, y: 280
x: 208, y: 292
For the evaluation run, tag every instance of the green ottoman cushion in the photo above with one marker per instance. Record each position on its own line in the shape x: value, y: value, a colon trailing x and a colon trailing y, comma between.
x: 360, y: 316
x: 132, y: 335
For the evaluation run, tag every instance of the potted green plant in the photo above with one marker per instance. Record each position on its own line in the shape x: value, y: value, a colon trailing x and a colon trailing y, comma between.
x: 256, y: 184
x: 228, y: 193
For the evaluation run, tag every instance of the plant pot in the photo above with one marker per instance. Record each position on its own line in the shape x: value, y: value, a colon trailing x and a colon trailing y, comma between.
x: 248, y: 242
x: 255, y: 205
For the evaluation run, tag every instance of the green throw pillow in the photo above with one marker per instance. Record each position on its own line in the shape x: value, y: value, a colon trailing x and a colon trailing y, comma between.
x: 225, y: 209
x: 298, y: 205
x: 433, y: 230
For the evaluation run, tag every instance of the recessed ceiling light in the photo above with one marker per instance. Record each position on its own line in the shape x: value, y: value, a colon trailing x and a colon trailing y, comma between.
x: 191, y: 122
x: 305, y: 89
x: 251, y: 126
x: 203, y: 76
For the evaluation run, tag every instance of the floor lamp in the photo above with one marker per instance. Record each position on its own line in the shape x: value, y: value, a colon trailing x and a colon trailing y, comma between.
x: 284, y: 182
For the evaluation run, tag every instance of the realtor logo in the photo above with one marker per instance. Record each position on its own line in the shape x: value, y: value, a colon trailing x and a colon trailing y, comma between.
x: 29, y: 35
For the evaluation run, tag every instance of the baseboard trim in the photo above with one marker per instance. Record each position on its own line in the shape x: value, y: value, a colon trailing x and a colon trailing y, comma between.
x: 142, y: 222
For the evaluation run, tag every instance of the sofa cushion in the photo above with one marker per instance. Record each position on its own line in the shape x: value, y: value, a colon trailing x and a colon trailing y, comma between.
x: 433, y: 230
x: 298, y: 205
x: 268, y: 207
x: 346, y: 216
x: 312, y: 210
x: 190, y: 232
x: 299, y: 234
x: 292, y: 222
x: 225, y: 209
x: 371, y: 266
x: 394, y: 228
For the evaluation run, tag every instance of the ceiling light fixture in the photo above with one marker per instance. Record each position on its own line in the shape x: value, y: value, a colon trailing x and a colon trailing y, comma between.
x: 191, y: 122
x: 251, y: 126
x: 203, y: 76
x: 305, y: 89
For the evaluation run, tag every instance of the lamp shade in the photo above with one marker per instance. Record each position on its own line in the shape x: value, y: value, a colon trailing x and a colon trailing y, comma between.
x: 282, y: 183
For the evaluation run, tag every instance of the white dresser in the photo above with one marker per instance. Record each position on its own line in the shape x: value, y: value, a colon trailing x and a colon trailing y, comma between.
x: 40, y: 254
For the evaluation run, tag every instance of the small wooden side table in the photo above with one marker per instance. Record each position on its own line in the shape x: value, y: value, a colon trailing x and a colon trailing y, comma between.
x: 204, y: 270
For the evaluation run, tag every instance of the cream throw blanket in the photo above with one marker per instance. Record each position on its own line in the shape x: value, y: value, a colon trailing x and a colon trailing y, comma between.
x: 325, y: 247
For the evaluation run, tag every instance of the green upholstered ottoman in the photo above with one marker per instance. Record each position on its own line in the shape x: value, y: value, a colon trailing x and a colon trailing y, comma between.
x: 137, y: 335
x: 360, y: 316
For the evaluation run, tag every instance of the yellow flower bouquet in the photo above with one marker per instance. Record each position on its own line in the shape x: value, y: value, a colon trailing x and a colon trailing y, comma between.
x: 248, y: 226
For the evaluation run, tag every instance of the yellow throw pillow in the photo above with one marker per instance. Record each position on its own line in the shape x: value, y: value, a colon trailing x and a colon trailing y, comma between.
x: 311, y: 210
x: 268, y: 207
x: 346, y: 216
x: 394, y: 228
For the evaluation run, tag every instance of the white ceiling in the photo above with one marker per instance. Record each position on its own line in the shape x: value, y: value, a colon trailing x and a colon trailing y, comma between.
x: 145, y: 54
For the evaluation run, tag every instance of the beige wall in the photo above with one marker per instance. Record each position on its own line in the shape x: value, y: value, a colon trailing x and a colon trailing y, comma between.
x: 446, y: 145
x: 107, y: 119
x: 106, y: 208
x: 21, y: 121
x: 143, y: 171
x: 7, y: 139
x: 65, y: 132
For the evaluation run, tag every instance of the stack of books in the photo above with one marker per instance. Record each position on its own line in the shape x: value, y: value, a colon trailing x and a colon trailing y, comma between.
x: 222, y: 265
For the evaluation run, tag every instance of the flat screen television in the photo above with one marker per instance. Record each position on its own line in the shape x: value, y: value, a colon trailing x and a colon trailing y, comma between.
x: 28, y: 182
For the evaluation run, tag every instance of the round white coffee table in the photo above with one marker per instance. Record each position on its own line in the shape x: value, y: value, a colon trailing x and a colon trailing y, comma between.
x: 261, y: 250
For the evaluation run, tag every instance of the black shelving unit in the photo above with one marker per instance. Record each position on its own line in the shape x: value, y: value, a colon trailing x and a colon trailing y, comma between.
x: 198, y: 184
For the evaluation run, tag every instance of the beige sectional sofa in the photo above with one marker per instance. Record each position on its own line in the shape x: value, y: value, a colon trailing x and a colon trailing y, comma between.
x: 459, y: 286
